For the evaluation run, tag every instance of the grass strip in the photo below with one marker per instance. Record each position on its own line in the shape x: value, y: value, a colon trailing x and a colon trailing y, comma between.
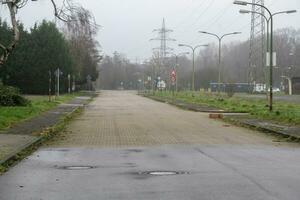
x: 39, y: 104
x: 46, y: 135
x: 284, y: 112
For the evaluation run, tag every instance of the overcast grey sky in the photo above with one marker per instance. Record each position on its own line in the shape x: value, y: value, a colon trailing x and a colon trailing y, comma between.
x: 128, y: 24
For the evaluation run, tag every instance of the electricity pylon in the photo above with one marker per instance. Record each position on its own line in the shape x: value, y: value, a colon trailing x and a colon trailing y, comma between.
x: 257, y: 52
x: 163, y: 37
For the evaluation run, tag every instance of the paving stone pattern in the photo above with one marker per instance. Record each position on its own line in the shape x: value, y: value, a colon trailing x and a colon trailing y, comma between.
x: 120, y: 119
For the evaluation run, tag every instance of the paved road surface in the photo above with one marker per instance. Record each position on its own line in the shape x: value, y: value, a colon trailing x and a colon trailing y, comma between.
x: 124, y: 136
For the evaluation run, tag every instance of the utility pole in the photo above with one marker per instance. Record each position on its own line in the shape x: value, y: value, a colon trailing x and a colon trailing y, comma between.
x: 163, y: 37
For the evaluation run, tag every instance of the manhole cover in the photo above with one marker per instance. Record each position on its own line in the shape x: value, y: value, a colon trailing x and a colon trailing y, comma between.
x: 163, y: 173
x: 77, y: 167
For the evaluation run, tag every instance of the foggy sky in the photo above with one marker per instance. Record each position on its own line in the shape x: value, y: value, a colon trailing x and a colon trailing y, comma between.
x: 127, y: 24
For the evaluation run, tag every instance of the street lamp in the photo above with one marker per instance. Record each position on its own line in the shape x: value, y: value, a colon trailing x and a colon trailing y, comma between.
x: 267, y: 19
x: 270, y: 19
x: 220, y: 47
x: 193, y: 50
x: 177, y: 65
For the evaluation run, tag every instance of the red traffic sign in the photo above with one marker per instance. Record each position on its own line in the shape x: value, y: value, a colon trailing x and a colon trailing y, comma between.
x: 173, y: 75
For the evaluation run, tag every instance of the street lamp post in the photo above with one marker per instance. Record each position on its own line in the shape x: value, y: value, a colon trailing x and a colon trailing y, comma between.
x: 271, y: 15
x: 193, y: 50
x: 268, y: 21
x: 220, y: 49
x: 177, y: 66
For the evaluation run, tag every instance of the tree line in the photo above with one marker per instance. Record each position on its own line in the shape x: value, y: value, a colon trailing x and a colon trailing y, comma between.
x: 118, y: 72
x: 44, y: 48
x: 235, y: 60
x: 235, y: 65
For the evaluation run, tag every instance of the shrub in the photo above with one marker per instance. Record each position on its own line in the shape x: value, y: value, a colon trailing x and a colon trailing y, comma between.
x: 10, y: 96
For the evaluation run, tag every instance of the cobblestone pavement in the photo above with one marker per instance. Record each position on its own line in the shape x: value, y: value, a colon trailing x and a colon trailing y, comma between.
x: 121, y: 118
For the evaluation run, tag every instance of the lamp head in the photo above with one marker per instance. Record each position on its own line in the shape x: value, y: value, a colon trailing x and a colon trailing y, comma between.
x: 245, y: 11
x: 291, y: 11
x: 241, y: 3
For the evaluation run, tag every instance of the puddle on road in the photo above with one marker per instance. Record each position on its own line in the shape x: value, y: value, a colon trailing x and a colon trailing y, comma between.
x: 163, y: 173
x: 87, y: 167
x: 77, y: 167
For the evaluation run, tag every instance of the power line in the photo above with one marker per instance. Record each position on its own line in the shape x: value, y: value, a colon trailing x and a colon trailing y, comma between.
x: 191, y: 14
x: 199, y: 16
x: 217, y: 17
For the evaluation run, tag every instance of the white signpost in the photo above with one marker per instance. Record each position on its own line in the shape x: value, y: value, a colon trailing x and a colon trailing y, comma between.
x: 69, y: 83
x: 58, y: 73
x: 268, y: 59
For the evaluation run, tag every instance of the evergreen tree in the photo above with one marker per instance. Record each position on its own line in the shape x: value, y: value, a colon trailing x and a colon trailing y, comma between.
x: 42, y: 50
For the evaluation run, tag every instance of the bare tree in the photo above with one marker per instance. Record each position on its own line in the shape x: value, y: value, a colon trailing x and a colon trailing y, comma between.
x: 81, y: 31
x: 63, y: 12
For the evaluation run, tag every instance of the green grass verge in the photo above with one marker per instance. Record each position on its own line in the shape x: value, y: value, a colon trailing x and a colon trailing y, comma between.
x: 47, y: 135
x: 39, y: 104
x: 287, y: 113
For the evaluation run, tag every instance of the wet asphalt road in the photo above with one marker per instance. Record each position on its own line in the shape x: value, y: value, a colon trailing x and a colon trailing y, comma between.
x: 236, y: 165
x: 209, y: 172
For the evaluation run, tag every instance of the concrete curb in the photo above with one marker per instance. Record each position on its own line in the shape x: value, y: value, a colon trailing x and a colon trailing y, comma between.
x: 39, y: 139
x: 256, y: 126
x: 13, y: 155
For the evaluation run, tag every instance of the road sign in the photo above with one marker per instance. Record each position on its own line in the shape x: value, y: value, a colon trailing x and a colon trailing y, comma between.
x: 173, y: 73
x: 268, y: 59
x: 58, y: 72
x: 161, y: 85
